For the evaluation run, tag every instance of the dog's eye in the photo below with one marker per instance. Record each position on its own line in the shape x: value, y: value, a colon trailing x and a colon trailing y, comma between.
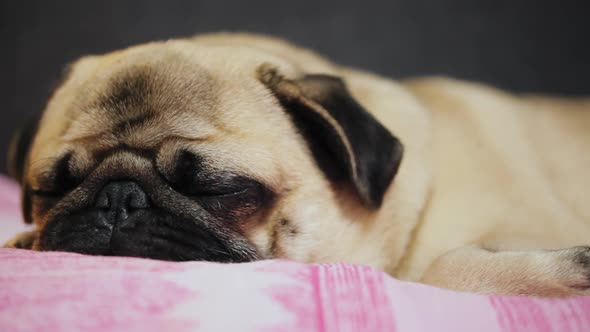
x: 222, y: 185
x: 223, y: 194
x: 58, y: 181
x: 233, y: 203
x: 227, y: 198
x: 192, y: 177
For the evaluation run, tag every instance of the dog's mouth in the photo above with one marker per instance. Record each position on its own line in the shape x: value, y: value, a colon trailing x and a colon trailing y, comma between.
x: 123, y: 222
x: 148, y: 234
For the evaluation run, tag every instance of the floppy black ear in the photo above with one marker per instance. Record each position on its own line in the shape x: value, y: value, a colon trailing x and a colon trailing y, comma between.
x: 346, y: 140
x: 19, y: 147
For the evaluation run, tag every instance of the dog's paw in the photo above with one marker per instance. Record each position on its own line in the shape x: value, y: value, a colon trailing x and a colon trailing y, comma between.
x: 571, y: 268
x: 581, y: 259
x: 562, y: 272
x: 22, y: 240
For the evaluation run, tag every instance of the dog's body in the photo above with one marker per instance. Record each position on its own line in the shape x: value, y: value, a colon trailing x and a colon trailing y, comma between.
x: 489, y: 182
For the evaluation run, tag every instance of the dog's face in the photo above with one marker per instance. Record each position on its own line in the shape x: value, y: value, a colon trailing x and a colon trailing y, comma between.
x: 179, y: 152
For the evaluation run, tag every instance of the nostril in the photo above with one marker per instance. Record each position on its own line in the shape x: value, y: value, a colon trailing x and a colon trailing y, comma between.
x: 137, y: 199
x: 122, y: 195
x: 102, y: 200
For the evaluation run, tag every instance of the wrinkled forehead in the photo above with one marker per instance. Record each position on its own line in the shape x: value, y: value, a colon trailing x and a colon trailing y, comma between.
x: 159, y: 87
x: 134, y: 90
x: 154, y: 96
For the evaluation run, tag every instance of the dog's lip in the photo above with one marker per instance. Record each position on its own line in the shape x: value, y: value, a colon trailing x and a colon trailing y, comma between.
x: 166, y: 230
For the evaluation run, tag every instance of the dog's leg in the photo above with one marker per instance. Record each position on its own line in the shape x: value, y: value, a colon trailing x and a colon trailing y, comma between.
x: 22, y: 240
x: 539, y: 272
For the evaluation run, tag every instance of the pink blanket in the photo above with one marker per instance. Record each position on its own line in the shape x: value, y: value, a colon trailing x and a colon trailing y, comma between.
x: 69, y: 292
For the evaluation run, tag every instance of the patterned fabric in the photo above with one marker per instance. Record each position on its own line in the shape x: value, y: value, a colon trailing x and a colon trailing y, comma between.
x: 69, y: 292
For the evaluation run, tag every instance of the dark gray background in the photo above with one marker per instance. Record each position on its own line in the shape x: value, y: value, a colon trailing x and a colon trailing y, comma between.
x: 526, y: 45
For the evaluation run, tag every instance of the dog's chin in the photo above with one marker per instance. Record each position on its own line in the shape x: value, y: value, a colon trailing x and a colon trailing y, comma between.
x: 142, y: 233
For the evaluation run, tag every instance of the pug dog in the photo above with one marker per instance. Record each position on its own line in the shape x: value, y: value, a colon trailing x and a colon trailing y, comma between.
x: 235, y: 147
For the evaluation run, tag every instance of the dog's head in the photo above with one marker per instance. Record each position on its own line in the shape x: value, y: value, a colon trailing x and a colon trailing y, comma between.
x: 182, y: 151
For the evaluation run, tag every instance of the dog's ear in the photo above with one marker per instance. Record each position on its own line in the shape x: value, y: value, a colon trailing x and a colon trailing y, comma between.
x: 20, y: 145
x: 346, y: 140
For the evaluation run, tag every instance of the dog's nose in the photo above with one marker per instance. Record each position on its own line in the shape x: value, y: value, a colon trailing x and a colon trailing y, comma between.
x: 122, y: 196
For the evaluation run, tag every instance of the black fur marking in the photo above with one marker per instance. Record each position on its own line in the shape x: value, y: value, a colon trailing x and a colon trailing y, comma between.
x: 127, y: 92
x: 188, y: 165
x: 63, y: 174
x: 582, y: 257
x: 288, y: 228
x: 27, y: 204
x: 376, y: 152
x: 273, y: 248
x: 282, y: 228
x: 59, y: 180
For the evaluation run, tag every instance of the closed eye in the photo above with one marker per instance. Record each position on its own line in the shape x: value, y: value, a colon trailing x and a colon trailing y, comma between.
x: 224, y: 194
x: 229, y: 192
x: 234, y: 205
x: 220, y: 185
x: 193, y: 177
x: 58, y: 181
